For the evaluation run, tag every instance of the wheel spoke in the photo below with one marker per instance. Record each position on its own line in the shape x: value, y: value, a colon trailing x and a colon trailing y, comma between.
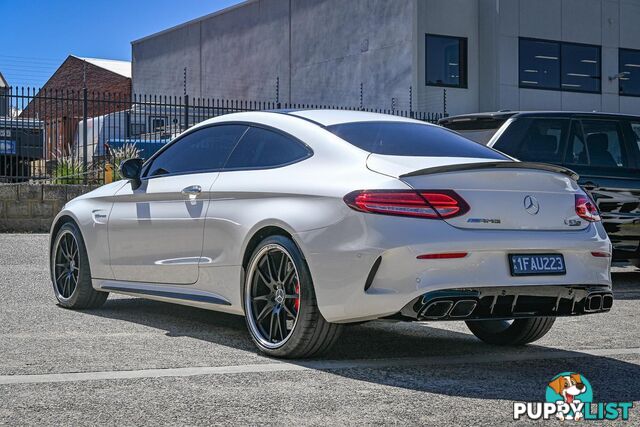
x: 269, y: 267
x: 288, y: 277
x: 283, y: 257
x: 288, y: 310
x: 264, y: 279
x: 271, y: 326
x: 264, y: 312
x: 262, y: 298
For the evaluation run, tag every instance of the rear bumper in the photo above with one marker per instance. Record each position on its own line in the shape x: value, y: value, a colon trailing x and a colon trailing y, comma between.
x: 508, y: 303
x: 349, y: 288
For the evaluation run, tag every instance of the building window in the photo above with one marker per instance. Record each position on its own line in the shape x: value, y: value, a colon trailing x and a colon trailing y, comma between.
x: 580, y: 67
x: 539, y: 64
x: 629, y: 68
x: 552, y: 65
x: 157, y: 123
x: 446, y: 61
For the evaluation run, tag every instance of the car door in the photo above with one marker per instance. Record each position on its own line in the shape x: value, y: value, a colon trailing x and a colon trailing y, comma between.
x: 156, y: 230
x: 605, y: 154
x: 250, y: 180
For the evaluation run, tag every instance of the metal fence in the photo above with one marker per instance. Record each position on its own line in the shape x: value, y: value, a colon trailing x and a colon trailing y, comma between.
x: 81, y: 137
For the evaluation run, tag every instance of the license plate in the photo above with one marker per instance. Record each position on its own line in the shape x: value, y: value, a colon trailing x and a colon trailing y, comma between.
x: 535, y: 264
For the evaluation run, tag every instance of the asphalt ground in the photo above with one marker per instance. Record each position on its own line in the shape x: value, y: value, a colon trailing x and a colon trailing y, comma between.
x: 136, y: 362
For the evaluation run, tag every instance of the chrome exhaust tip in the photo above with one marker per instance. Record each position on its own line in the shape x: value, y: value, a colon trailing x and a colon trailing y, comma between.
x: 437, y: 309
x: 607, y: 301
x: 463, y: 308
x: 593, y: 303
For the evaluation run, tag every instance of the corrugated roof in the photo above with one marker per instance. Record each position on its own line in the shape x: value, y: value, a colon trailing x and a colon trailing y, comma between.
x: 119, y: 67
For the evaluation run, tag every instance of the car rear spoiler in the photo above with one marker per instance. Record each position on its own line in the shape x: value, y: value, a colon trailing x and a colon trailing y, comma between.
x: 494, y: 165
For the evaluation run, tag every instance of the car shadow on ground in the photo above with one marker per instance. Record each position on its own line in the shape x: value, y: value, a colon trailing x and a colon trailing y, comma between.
x: 518, y: 380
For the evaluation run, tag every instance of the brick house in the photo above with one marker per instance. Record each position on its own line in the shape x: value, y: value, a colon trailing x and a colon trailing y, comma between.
x: 59, y: 103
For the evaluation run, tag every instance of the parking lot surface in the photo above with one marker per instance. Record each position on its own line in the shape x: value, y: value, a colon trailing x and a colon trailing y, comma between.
x: 143, y: 362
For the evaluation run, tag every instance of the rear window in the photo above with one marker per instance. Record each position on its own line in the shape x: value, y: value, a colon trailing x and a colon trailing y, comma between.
x: 411, y: 139
x: 478, y: 130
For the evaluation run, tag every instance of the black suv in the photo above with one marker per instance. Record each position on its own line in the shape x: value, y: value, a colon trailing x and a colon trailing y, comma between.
x: 603, y: 148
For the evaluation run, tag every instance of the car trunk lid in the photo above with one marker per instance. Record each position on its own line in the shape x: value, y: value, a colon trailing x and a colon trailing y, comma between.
x: 502, y: 195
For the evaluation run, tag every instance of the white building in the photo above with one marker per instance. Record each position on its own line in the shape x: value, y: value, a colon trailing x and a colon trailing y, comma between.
x: 488, y: 54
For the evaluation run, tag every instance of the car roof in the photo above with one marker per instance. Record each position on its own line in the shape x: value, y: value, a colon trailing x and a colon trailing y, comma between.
x: 503, y: 115
x: 334, y: 117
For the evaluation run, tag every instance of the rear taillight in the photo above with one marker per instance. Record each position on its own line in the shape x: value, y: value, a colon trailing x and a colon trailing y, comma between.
x: 432, y: 204
x: 586, y: 209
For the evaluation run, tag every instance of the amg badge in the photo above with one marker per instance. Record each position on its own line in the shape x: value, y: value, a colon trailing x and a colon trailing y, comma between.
x: 484, y: 220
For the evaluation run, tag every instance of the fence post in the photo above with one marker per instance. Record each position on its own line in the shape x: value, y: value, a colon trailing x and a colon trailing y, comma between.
x: 411, y: 102
x: 278, y: 92
x: 186, y: 112
x: 444, y: 102
x: 85, y: 116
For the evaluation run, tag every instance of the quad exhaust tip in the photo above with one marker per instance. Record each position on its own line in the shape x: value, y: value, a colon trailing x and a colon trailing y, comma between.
x: 443, y: 308
x: 463, y: 308
x: 438, y: 309
x: 598, y: 302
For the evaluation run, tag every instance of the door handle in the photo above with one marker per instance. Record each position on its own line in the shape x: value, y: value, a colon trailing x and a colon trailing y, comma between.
x: 192, y: 191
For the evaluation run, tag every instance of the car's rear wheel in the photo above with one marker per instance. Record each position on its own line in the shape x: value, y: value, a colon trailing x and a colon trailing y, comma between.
x: 70, y: 271
x: 280, y: 304
x: 511, y: 332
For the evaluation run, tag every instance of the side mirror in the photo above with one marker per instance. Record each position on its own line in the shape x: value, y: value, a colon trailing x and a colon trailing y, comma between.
x: 131, y: 169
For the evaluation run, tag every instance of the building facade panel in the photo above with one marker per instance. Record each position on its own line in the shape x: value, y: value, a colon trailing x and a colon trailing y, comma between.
x: 322, y: 51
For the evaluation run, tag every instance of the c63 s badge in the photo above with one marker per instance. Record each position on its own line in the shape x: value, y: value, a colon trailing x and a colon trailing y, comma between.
x: 569, y: 396
x: 573, y: 222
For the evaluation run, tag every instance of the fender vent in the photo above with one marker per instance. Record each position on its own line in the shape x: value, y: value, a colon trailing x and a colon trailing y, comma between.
x: 372, y: 273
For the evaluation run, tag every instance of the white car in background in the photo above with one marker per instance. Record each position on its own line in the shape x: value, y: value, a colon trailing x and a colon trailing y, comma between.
x: 304, y: 221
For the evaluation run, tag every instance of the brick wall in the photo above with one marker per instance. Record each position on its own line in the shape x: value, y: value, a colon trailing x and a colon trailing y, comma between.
x: 30, y: 208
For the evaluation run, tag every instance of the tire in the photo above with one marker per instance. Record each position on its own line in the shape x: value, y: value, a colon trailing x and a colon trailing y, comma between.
x: 296, y: 328
x: 515, y: 332
x: 72, y: 280
x: 635, y: 263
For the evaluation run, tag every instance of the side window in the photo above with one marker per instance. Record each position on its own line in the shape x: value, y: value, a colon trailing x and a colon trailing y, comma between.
x: 261, y: 148
x: 204, y: 149
x: 536, y: 139
x: 576, y: 147
x: 604, y: 144
x: 635, y: 127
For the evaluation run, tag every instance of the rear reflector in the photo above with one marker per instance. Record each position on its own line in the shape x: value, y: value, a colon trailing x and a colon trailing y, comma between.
x: 450, y: 255
x: 431, y: 204
x: 601, y: 254
x: 586, y: 208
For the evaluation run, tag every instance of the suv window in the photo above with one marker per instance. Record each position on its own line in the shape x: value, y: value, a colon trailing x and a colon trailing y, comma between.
x: 203, y: 149
x: 261, y: 148
x: 411, y: 139
x: 576, y: 147
x: 635, y: 127
x: 604, y: 144
x: 535, y: 139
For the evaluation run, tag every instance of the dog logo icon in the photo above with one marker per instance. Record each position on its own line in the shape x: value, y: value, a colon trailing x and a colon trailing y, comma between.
x: 571, y: 391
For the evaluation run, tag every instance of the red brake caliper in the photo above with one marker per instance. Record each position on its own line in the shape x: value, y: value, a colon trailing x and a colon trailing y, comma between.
x: 296, y: 302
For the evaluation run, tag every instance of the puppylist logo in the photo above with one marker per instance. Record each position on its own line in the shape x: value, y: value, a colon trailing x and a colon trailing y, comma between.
x: 569, y: 396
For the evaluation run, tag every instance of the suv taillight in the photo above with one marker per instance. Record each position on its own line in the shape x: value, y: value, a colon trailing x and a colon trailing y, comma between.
x: 586, y: 208
x: 432, y: 204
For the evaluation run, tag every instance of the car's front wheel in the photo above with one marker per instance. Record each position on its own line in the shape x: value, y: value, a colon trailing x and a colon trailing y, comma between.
x: 70, y: 271
x: 280, y: 303
x: 511, y: 332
